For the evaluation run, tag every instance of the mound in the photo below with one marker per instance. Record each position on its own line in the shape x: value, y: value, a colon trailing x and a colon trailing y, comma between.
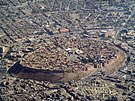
x: 69, y: 58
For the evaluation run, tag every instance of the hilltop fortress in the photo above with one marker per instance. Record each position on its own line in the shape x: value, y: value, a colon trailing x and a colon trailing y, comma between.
x: 68, y: 58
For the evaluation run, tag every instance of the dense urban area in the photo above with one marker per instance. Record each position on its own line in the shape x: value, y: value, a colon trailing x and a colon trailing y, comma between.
x: 67, y: 50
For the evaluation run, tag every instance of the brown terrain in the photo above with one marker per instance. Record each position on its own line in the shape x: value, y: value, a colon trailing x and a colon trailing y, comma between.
x: 69, y: 59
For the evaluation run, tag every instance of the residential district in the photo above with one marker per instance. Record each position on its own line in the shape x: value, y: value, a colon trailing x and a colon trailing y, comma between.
x: 67, y: 50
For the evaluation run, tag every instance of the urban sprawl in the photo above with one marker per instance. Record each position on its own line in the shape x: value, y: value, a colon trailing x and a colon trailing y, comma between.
x: 67, y: 50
